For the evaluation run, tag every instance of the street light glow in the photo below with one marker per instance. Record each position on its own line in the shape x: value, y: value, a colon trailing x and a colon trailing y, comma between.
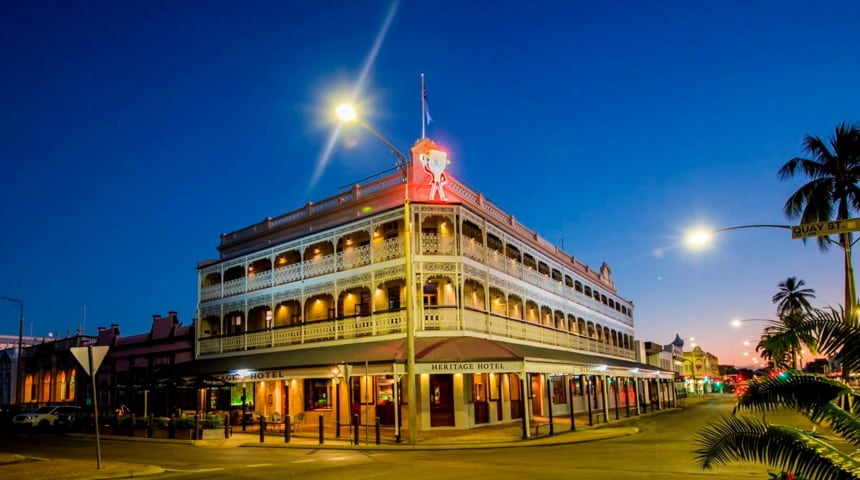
x: 698, y: 238
x: 345, y: 112
x: 736, y: 323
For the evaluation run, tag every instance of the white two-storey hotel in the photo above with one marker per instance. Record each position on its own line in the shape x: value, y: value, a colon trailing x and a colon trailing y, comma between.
x: 334, y: 308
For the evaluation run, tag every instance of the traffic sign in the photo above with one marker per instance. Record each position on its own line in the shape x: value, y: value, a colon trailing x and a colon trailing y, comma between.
x: 822, y: 229
x: 83, y: 357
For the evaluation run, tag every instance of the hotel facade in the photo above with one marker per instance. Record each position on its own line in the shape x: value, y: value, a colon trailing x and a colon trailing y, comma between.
x: 413, y: 300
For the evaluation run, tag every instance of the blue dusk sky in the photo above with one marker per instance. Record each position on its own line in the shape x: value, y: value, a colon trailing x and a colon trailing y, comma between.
x: 134, y: 133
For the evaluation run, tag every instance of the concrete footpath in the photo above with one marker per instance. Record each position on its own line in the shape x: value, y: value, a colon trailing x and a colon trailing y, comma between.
x: 497, y: 436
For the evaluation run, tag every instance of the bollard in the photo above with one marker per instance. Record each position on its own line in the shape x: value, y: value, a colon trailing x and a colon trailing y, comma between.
x: 227, y: 426
x: 149, y: 426
x: 131, y: 426
x: 337, y: 428
x: 355, y: 429
x: 171, y: 426
x: 197, y: 434
x: 262, y: 429
x: 376, y: 425
x: 322, y: 430
x: 288, y: 427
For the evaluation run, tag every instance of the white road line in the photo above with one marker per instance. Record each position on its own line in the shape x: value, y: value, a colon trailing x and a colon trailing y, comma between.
x: 259, y: 465
x: 310, y: 460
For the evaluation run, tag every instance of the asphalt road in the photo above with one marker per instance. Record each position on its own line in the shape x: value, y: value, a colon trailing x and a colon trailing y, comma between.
x: 663, y: 449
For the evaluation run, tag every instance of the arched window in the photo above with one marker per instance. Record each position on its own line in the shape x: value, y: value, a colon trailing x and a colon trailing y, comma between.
x: 61, y: 387
x: 46, y: 387
x: 72, y: 386
x: 29, y: 390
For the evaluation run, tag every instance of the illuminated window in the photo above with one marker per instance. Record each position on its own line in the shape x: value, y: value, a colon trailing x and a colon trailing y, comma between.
x: 71, y: 384
x: 46, y: 387
x: 62, y: 391
x: 29, y: 389
x: 317, y: 394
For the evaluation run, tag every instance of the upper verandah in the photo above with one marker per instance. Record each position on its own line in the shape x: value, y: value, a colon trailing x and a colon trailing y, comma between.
x: 427, y: 182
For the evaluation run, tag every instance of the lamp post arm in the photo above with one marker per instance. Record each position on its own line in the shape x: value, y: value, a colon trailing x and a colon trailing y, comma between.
x: 401, y: 159
x: 784, y: 227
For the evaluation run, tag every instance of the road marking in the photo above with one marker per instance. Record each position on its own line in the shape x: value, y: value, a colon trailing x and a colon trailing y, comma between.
x: 259, y: 465
x: 310, y: 460
x: 194, y: 471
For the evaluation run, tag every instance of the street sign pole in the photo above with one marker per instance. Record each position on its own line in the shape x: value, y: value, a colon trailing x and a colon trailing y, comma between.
x: 90, y: 358
x: 95, y: 406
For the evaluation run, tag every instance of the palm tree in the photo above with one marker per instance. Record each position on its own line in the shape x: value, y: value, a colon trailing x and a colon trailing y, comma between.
x: 803, y: 453
x: 833, y: 185
x: 791, y: 298
x: 783, y: 338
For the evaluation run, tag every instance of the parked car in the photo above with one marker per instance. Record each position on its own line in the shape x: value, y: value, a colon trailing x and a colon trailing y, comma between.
x: 46, y: 417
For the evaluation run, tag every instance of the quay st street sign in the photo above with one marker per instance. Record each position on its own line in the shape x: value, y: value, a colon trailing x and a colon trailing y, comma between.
x: 822, y: 229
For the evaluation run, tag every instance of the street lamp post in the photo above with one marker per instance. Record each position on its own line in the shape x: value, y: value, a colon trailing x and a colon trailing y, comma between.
x: 700, y: 238
x: 347, y: 114
x: 18, y: 394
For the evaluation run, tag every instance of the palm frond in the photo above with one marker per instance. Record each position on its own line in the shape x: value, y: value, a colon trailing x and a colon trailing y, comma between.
x: 804, y: 392
x: 841, y: 422
x: 836, y: 335
x: 790, y: 449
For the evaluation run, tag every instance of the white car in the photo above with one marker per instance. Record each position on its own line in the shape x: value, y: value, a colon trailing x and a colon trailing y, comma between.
x: 45, y: 417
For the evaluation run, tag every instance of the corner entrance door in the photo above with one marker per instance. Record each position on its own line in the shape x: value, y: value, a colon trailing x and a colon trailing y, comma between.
x: 441, y: 400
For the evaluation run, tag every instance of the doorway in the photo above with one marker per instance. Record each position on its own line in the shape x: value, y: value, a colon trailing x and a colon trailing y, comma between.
x: 441, y: 400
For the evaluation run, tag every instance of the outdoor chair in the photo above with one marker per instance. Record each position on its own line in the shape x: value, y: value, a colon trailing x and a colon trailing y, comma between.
x: 275, y: 423
x: 296, y: 424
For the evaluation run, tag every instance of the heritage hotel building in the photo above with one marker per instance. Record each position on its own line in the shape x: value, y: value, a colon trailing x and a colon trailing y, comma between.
x: 334, y: 308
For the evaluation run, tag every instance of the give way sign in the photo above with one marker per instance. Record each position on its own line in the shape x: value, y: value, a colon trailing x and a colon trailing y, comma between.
x: 84, y: 357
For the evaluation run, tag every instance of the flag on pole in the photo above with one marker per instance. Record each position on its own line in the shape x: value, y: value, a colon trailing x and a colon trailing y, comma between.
x: 427, y: 117
x: 425, y: 110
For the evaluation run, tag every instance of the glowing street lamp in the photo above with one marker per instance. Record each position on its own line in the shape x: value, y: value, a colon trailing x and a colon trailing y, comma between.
x: 701, y: 238
x: 348, y: 114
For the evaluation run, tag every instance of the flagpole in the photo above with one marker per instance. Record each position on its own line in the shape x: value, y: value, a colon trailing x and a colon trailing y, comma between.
x: 423, y: 108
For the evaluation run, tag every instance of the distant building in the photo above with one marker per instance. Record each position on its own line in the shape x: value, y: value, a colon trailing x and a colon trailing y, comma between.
x: 51, y: 375
x: 129, y: 377
x: 700, y: 369
x: 9, y: 365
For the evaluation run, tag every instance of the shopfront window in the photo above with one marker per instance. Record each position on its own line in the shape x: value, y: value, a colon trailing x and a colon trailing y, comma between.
x: 317, y: 394
x: 559, y: 392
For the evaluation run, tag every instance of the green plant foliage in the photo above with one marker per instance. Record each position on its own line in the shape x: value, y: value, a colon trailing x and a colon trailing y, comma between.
x: 807, y: 455
x: 213, y: 421
x: 184, y: 423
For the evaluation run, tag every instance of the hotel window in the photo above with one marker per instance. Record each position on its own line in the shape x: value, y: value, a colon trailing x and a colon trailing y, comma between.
x: 393, y: 298
x: 431, y: 296
x: 317, y: 394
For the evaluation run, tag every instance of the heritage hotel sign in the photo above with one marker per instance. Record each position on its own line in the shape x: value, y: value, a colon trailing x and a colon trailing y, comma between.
x: 469, y: 367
